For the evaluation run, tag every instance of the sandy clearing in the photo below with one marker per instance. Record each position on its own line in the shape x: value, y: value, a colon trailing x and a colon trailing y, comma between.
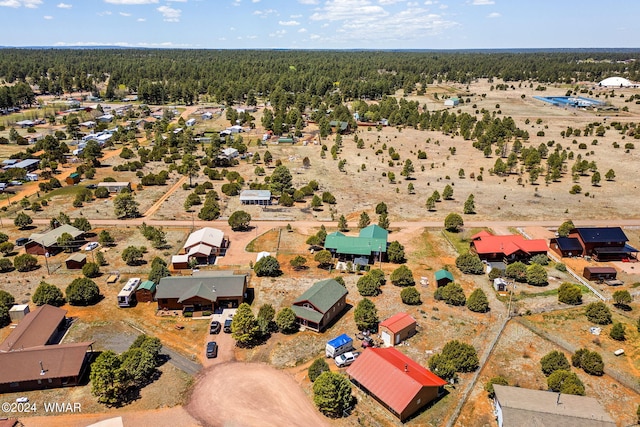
x: 260, y: 394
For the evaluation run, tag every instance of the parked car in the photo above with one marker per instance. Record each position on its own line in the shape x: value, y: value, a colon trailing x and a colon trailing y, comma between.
x: 22, y: 241
x: 92, y: 186
x: 368, y: 342
x: 227, y: 326
x: 91, y: 246
x: 346, y: 359
x: 215, y: 327
x: 212, y: 349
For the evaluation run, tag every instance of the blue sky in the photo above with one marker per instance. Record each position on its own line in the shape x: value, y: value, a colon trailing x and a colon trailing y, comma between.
x: 322, y: 24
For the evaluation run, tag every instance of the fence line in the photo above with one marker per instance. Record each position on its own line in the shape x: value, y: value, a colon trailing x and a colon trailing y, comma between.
x: 623, y: 379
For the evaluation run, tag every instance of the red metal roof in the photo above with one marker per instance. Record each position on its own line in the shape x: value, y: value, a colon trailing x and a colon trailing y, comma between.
x: 391, y: 376
x: 398, y: 322
x: 490, y: 244
x: 481, y: 234
x: 35, y: 329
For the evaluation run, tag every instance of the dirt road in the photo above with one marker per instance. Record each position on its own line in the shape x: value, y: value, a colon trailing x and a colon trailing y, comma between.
x: 251, y: 394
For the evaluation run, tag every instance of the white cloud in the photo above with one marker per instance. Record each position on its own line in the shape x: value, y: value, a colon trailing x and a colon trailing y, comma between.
x: 236, y: 2
x: 64, y: 6
x: 342, y: 10
x: 255, y: 1
x: 264, y: 13
x: 308, y: 1
x: 355, y: 18
x: 295, y: 16
x: 288, y: 23
x: 106, y: 12
x: 141, y: 19
x: 302, y: 30
x: 48, y: 17
x: 30, y: 4
x: 124, y: 14
x: 170, y: 14
x: 494, y: 15
x: 130, y: 2
x: 278, y: 33
x: 482, y: 2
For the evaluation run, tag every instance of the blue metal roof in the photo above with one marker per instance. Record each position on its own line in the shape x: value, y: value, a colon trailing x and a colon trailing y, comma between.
x: 601, y: 234
x: 341, y: 340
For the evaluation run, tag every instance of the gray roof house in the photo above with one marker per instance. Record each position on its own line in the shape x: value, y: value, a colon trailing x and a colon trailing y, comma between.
x: 517, y: 406
x: 202, y: 292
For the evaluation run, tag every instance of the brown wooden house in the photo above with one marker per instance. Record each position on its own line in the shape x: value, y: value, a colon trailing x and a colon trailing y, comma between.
x: 202, y: 292
x: 320, y: 304
x: 43, y: 243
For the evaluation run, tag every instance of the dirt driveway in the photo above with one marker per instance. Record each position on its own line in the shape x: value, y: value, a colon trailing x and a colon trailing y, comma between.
x: 251, y: 394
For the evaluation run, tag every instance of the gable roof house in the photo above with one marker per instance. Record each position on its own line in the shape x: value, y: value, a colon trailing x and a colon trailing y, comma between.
x: 603, y: 243
x: 43, y: 243
x: 397, y: 382
x: 320, y: 304
x: 366, y: 248
x: 203, y: 245
x: 30, y: 358
x: 517, y: 406
x: 202, y: 292
x: 255, y: 197
x: 508, y: 248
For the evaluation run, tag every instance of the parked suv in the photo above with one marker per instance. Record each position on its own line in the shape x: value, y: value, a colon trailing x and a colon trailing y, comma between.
x: 346, y: 359
x: 215, y: 327
x: 227, y: 326
x: 212, y: 349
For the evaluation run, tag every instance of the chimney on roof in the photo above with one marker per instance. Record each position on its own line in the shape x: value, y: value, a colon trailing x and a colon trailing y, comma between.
x: 406, y: 367
x: 42, y: 371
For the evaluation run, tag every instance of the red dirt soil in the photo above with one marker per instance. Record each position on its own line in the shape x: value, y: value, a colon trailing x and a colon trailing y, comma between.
x: 257, y: 394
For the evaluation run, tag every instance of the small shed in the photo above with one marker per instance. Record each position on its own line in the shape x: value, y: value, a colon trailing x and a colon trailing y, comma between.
x: 180, y: 262
x: 18, y: 312
x: 452, y: 102
x: 146, y: 291
x: 599, y: 273
x: 76, y: 261
x: 73, y: 179
x: 397, y: 328
x: 499, y: 284
x: 443, y: 277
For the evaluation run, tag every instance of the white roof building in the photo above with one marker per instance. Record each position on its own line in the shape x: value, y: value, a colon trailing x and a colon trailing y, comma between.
x: 615, y: 82
x: 208, y: 236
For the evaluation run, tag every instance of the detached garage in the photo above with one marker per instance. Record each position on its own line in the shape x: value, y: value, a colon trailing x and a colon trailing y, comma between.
x: 397, y: 328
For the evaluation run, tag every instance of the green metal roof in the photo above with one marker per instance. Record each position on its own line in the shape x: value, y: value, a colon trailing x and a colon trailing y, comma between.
x: 374, y: 232
x: 148, y: 285
x: 371, y: 239
x: 441, y: 274
x: 322, y: 295
x: 307, y: 313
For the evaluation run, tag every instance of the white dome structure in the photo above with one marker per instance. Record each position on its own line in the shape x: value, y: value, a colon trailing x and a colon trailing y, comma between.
x: 615, y: 82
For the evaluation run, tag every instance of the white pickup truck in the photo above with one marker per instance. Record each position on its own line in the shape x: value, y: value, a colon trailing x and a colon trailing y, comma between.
x: 346, y: 359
